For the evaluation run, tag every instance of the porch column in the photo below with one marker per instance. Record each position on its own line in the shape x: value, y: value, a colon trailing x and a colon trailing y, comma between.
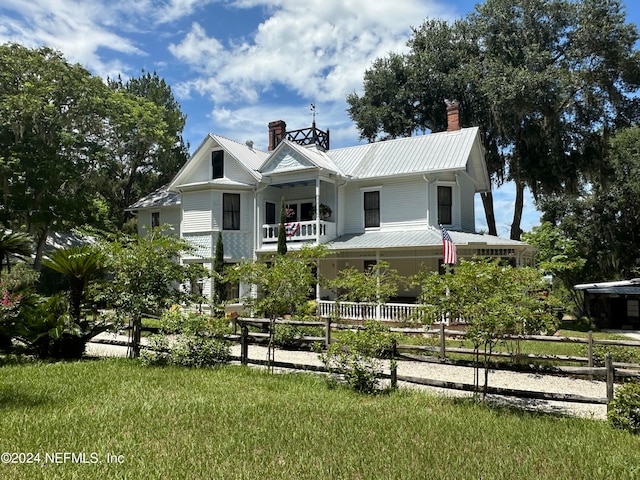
x: 317, y: 210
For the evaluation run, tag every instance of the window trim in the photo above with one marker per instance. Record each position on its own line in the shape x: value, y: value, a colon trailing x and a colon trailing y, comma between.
x: 217, y: 171
x: 450, y: 206
x: 376, y: 190
x: 235, y: 225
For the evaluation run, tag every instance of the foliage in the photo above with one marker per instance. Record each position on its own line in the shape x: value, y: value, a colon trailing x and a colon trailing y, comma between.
x: 560, y: 257
x: 603, y: 220
x: 289, y: 336
x: 284, y: 285
x: 282, y: 233
x: 356, y: 356
x: 17, y: 292
x: 146, y: 275
x: 188, y: 339
x: 618, y: 353
x: 79, y: 264
x: 547, y: 82
x: 14, y: 244
x: 494, y: 300
x: 76, y: 151
x: 375, y: 285
x: 624, y: 410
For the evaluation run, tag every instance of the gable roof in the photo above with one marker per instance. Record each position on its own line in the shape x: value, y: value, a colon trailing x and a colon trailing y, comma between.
x: 434, y: 152
x: 290, y: 156
x: 248, y: 158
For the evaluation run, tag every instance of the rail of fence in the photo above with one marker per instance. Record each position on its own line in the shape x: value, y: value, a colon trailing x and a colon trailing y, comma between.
x: 242, y: 334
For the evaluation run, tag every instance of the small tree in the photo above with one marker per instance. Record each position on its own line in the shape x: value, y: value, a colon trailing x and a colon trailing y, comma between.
x: 218, y: 271
x: 284, y: 285
x: 282, y: 231
x: 375, y: 285
x: 494, y: 299
x: 146, y: 276
x: 14, y: 244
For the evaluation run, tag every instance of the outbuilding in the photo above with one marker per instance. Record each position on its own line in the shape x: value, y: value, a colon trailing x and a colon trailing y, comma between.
x: 613, y: 305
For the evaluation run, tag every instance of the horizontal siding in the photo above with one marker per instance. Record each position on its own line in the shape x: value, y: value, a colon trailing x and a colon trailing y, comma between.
x: 197, y: 207
x: 403, y: 204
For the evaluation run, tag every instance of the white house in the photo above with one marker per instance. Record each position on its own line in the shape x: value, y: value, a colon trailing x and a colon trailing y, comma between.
x: 375, y: 202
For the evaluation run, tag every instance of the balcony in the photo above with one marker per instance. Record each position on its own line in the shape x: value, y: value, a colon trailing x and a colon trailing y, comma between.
x: 301, y: 232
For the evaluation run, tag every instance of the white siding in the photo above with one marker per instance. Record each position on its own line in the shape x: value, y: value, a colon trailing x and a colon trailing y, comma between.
x: 168, y: 215
x: 467, y: 205
x: 197, y: 207
x: 202, y: 170
x: 403, y: 204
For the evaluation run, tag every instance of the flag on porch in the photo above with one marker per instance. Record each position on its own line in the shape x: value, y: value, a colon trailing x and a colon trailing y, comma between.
x: 291, y: 228
x: 449, y: 253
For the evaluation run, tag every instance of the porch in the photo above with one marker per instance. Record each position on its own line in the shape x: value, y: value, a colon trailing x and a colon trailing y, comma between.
x: 308, y: 231
x: 386, y: 312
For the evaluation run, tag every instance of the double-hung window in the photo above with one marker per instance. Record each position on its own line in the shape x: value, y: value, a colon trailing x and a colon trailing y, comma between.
x: 231, y: 211
x: 155, y: 219
x: 217, y: 164
x: 445, y: 205
x: 371, y: 209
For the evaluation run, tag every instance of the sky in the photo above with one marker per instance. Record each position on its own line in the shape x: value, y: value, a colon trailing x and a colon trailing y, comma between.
x: 236, y: 65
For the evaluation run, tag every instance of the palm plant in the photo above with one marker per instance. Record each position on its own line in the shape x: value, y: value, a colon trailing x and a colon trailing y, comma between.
x: 14, y: 244
x: 79, y: 265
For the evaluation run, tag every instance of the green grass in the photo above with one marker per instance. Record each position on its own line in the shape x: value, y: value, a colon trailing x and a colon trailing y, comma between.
x: 237, y: 422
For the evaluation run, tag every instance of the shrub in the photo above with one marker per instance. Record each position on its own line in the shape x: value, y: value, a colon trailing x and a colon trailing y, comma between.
x: 357, y: 355
x: 618, y: 353
x: 188, y: 339
x: 289, y: 336
x: 624, y: 410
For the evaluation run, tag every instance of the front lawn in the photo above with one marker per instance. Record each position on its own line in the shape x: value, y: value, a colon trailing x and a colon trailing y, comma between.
x: 238, y: 422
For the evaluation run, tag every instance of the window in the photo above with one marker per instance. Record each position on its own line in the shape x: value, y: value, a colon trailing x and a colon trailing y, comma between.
x: 155, y: 219
x: 371, y: 209
x: 307, y: 211
x: 231, y: 211
x: 270, y: 213
x: 217, y: 164
x: 445, y: 203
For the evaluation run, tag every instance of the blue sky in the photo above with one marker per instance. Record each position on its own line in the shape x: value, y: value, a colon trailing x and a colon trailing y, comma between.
x: 236, y: 65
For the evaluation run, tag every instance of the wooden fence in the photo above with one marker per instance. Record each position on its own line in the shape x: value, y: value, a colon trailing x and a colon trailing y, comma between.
x: 610, y: 371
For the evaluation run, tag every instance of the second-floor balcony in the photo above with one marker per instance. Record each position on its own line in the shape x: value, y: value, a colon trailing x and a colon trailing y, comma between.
x: 309, y: 231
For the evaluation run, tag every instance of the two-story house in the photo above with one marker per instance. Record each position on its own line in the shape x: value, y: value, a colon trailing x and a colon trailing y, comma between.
x: 369, y: 203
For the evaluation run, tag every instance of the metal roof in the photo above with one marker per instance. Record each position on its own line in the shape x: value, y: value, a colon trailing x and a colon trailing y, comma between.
x: 429, y: 237
x: 609, y: 287
x: 420, y: 154
x: 159, y: 198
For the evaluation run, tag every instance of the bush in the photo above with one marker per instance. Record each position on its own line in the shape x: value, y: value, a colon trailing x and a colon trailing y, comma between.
x: 357, y: 355
x: 188, y: 339
x: 289, y: 336
x: 618, y: 353
x: 624, y: 410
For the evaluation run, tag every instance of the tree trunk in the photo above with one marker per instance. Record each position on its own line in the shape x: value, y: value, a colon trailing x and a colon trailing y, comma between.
x: 516, y: 231
x: 487, y: 203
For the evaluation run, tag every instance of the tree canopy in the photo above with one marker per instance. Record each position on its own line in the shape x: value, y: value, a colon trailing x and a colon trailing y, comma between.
x: 76, y: 150
x: 547, y: 81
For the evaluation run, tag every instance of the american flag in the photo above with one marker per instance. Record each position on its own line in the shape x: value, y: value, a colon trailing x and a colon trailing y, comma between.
x: 291, y: 228
x: 448, y: 248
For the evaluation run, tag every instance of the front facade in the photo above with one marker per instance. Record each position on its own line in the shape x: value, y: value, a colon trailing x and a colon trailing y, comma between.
x: 368, y: 203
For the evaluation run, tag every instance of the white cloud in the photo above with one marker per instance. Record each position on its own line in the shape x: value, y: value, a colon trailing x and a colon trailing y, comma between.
x: 317, y: 48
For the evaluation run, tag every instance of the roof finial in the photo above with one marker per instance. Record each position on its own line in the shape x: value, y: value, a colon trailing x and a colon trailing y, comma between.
x: 313, y: 114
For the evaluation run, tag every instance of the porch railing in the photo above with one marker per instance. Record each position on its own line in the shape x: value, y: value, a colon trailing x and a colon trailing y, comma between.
x: 390, y: 312
x: 301, y: 231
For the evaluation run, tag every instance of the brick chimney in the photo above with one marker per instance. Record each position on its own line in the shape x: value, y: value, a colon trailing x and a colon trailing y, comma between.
x: 277, y: 130
x: 453, y: 115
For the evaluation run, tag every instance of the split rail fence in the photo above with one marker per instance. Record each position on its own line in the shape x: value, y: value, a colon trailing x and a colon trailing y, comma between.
x: 611, y: 370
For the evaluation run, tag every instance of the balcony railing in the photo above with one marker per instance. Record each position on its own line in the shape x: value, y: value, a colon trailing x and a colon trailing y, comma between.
x: 301, y: 231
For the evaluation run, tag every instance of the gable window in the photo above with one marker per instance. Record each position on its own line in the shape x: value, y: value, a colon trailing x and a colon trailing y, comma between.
x: 445, y: 204
x: 155, y: 219
x: 231, y: 211
x: 217, y: 164
x: 270, y: 213
x: 371, y: 209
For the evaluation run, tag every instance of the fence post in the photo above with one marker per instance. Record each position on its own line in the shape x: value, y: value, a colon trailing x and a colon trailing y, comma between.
x: 443, y: 352
x: 394, y: 364
x: 244, y: 344
x: 608, y: 363
x: 590, y: 351
x: 327, y: 332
